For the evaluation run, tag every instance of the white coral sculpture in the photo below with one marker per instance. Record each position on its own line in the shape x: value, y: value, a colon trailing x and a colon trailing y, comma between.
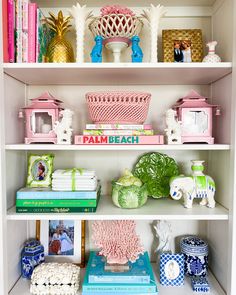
x: 81, y: 15
x: 153, y: 15
x: 163, y: 233
x: 117, y: 240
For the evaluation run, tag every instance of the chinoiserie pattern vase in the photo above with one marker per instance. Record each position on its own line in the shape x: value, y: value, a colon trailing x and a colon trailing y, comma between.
x: 31, y: 256
x: 195, y: 251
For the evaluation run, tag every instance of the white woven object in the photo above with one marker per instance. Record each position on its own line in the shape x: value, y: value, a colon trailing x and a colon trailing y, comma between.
x: 116, y: 25
x: 55, y: 279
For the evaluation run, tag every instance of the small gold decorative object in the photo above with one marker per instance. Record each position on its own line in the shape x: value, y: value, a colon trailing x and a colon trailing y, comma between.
x: 59, y: 49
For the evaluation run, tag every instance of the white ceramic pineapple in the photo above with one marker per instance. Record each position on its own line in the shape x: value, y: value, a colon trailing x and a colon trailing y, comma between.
x: 211, y: 57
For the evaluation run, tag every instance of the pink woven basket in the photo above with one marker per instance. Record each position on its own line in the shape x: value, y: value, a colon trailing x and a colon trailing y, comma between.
x: 123, y: 107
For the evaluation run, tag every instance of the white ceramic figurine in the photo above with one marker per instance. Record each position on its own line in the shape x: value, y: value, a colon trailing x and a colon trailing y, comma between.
x: 173, y: 130
x: 63, y: 129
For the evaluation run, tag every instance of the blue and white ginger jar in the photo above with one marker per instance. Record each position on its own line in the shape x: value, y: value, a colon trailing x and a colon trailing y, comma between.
x: 195, y: 251
x: 31, y: 256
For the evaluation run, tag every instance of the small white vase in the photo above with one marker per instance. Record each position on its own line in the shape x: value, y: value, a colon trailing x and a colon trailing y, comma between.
x: 212, y: 57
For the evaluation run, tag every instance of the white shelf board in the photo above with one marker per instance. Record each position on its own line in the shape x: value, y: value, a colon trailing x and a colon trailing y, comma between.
x: 165, y: 147
x: 23, y: 285
x: 118, y: 74
x: 166, y: 209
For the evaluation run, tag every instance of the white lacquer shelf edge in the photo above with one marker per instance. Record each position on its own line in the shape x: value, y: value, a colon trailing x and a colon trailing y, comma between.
x: 182, y: 147
x: 23, y: 285
x: 165, y: 209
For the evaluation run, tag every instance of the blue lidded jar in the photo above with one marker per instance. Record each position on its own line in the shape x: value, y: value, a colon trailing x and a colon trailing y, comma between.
x: 195, y: 251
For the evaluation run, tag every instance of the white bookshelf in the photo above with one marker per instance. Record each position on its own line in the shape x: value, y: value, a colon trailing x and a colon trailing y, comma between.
x: 124, y: 73
x: 23, y: 285
x: 166, y: 82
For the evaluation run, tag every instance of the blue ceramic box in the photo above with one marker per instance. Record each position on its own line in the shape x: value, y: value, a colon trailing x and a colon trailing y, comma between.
x: 200, y: 284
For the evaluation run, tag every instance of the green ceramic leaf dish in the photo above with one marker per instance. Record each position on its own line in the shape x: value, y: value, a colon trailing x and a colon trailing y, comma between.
x: 155, y: 170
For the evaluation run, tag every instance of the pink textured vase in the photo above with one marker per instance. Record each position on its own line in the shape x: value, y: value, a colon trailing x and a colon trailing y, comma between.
x: 123, y: 107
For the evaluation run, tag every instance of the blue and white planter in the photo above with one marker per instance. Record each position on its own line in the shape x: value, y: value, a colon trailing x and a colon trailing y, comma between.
x: 31, y: 256
x: 195, y: 251
x: 200, y: 284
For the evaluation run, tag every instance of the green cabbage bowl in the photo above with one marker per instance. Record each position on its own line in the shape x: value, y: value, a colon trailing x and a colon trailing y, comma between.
x: 129, y: 197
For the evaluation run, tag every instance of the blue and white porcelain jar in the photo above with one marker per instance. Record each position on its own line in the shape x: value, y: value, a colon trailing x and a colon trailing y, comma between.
x: 195, y: 251
x: 31, y: 256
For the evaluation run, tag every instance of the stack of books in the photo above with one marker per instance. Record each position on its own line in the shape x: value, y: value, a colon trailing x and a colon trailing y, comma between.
x: 45, y: 200
x: 25, y: 32
x: 138, y: 280
x: 118, y: 134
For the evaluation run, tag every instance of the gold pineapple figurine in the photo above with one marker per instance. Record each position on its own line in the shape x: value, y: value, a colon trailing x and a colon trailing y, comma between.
x: 59, y: 49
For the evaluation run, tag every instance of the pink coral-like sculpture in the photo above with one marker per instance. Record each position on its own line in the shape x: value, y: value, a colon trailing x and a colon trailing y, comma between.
x: 117, y: 240
x: 116, y: 9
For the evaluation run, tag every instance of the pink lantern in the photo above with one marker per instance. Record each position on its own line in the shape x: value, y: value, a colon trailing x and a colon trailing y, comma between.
x: 195, y: 115
x: 40, y: 118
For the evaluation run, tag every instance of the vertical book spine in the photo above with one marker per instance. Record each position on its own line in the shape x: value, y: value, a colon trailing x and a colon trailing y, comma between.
x: 11, y: 29
x: 32, y: 32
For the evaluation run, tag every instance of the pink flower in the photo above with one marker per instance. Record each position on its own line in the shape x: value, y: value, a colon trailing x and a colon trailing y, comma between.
x: 117, y: 240
x: 116, y: 9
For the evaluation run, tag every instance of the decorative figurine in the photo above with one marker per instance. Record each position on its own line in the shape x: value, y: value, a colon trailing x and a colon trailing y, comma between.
x: 31, y: 256
x: 55, y: 279
x: 137, y: 54
x: 200, y: 284
x: 212, y: 56
x: 171, y: 269
x: 173, y: 130
x: 163, y: 234
x: 117, y: 241
x: 81, y: 15
x: 40, y: 118
x: 117, y: 25
x: 195, y: 115
x: 59, y: 49
x: 96, y: 54
x: 153, y: 15
x: 63, y: 129
x: 198, y: 185
x: 195, y: 252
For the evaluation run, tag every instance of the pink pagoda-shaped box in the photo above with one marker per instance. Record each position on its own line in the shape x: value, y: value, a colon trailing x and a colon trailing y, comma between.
x: 195, y: 115
x: 40, y: 117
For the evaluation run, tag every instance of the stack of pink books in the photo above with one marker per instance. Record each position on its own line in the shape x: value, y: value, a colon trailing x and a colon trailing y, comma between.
x: 25, y: 32
x: 118, y: 134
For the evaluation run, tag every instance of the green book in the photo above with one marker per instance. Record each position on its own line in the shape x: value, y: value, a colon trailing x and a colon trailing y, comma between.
x: 55, y: 209
x: 56, y: 203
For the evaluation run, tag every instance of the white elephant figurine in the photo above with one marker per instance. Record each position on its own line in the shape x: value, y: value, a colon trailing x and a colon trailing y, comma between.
x: 190, y: 187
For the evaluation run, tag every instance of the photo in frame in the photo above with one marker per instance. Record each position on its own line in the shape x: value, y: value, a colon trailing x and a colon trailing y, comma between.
x: 182, y: 45
x: 63, y: 240
x: 171, y: 269
x: 40, y: 168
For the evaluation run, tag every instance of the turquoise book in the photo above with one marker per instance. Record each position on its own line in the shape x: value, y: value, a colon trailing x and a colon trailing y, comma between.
x: 118, y: 288
x: 37, y: 193
x: 139, y: 271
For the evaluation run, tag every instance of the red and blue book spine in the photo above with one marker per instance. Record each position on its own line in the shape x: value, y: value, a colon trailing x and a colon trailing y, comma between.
x: 11, y: 30
x: 32, y: 20
x: 118, y: 140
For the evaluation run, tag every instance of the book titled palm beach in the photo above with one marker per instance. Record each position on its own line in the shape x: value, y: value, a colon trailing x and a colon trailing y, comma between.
x: 116, y: 139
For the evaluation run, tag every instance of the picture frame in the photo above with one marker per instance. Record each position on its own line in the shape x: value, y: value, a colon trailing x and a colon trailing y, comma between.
x: 182, y: 45
x: 63, y: 240
x: 171, y: 269
x: 40, y: 168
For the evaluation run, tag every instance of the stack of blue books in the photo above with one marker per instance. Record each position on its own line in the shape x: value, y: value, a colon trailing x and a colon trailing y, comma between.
x: 138, y: 280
